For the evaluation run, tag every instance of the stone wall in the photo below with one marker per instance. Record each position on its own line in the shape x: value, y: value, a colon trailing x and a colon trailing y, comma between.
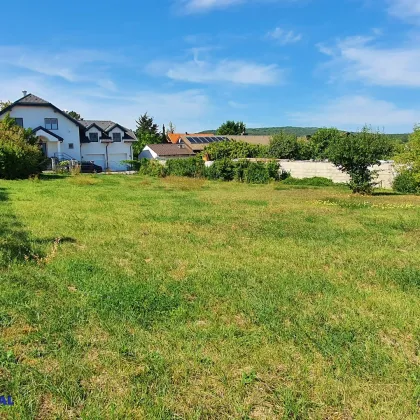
x: 309, y: 169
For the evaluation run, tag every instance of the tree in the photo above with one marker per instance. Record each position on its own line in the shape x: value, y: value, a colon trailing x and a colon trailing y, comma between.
x: 284, y: 146
x: 75, y: 115
x: 322, y: 139
x: 231, y: 128
x: 234, y: 150
x: 171, y: 128
x: 18, y: 157
x: 164, y: 138
x: 4, y: 104
x: 147, y: 132
x: 409, y: 158
x: 354, y: 153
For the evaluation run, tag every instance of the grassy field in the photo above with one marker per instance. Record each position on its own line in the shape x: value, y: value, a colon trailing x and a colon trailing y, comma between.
x: 128, y: 297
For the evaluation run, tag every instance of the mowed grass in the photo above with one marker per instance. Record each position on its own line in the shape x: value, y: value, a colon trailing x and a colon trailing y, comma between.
x: 128, y: 297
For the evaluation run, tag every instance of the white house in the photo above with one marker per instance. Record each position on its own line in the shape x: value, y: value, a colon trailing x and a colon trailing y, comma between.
x: 105, y: 143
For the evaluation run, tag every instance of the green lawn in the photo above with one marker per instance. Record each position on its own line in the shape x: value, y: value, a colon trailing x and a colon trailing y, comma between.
x: 128, y: 297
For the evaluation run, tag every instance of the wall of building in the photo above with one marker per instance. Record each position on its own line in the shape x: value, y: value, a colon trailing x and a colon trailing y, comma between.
x: 97, y: 152
x: 308, y: 169
x: 33, y: 117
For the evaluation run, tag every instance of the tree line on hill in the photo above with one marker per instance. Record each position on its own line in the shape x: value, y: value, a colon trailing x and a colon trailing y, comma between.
x: 298, y: 131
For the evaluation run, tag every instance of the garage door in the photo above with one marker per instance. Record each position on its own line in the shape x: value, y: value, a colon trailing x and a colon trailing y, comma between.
x: 97, y: 159
x: 115, y: 161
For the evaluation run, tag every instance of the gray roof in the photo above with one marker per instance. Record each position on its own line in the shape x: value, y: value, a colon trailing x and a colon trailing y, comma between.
x: 103, y: 125
x: 32, y: 99
x: 169, y: 149
x: 106, y: 126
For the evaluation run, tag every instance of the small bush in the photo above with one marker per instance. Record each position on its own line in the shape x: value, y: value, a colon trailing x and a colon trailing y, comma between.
x: 223, y: 169
x: 256, y: 173
x: 273, y: 169
x: 152, y: 167
x: 240, y: 169
x: 315, y: 181
x: 405, y: 182
x: 192, y: 167
x: 134, y: 165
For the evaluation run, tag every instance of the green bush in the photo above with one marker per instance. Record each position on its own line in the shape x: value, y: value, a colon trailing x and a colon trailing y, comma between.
x: 406, y: 182
x: 315, y: 181
x: 18, y: 158
x: 234, y: 150
x: 257, y: 173
x: 223, y: 169
x: 193, y: 167
x: 152, y: 167
x: 240, y: 169
x: 134, y: 165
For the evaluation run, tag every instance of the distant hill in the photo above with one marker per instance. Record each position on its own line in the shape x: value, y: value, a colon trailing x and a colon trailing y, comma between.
x: 300, y: 132
x: 269, y: 131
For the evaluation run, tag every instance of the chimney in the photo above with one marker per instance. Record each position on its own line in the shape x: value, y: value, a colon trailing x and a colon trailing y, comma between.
x: 25, y: 92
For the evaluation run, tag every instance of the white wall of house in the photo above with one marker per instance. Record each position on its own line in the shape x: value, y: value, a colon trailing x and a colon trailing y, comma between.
x: 148, y: 153
x: 33, y: 117
x: 107, y: 159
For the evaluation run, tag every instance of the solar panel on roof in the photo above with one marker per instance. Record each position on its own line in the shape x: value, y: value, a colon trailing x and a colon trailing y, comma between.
x: 191, y: 140
x: 199, y: 140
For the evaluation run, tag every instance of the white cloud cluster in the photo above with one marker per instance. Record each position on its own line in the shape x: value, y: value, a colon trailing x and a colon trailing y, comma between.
x: 359, y: 58
x: 284, y: 37
x: 405, y: 9
x: 219, y: 71
x: 76, y: 65
x: 200, y: 6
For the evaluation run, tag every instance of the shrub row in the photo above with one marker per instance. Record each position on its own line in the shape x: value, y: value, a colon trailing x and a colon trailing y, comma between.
x: 223, y: 170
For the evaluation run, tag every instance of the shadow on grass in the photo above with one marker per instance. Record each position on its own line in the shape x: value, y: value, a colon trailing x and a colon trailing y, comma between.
x: 50, y: 177
x: 381, y: 192
x: 15, y: 244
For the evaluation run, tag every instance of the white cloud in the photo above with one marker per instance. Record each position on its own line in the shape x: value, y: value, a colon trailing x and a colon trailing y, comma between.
x: 284, y: 37
x: 230, y: 71
x: 202, y: 6
x: 81, y: 65
x: 354, y: 111
x: 357, y: 58
x: 187, y: 109
x: 237, y: 105
x: 197, y: 6
x: 405, y: 9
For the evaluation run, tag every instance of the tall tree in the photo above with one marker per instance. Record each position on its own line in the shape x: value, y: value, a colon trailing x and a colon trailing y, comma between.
x: 147, y: 132
x: 4, y: 104
x: 284, y: 146
x: 354, y: 153
x: 75, y: 115
x: 232, y: 128
x: 322, y: 139
x: 171, y: 128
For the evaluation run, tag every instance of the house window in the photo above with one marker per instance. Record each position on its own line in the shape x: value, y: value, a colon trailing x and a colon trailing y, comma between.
x: 116, y: 137
x: 94, y: 137
x: 51, y: 123
x: 71, y: 146
x: 19, y: 122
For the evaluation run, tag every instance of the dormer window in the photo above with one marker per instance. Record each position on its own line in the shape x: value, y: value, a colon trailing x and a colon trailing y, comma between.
x: 94, y: 137
x: 116, y: 137
x: 51, y: 123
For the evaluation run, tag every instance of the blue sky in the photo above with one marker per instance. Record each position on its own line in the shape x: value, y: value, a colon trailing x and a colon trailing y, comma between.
x: 197, y: 63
